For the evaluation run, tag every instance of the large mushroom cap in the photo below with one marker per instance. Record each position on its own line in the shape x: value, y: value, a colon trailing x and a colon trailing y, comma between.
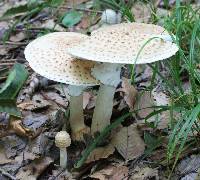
x: 48, y: 57
x: 122, y: 43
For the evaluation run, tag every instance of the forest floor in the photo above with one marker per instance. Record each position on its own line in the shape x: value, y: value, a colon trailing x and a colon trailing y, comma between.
x: 136, y: 150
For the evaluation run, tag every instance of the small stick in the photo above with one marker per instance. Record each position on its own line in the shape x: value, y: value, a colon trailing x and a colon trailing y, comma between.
x: 14, y: 43
x: 6, y: 64
x: 81, y: 9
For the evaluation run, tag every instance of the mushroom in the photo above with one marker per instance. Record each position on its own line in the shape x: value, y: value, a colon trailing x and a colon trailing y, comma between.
x: 116, y: 45
x: 109, y: 16
x: 47, y: 55
x: 62, y: 141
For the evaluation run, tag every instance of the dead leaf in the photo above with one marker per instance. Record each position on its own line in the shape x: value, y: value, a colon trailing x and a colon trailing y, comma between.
x: 36, y: 103
x: 100, y: 153
x: 13, y: 145
x: 145, y: 174
x: 188, y: 165
x: 130, y: 93
x: 144, y: 100
x: 128, y: 142
x: 35, y: 169
x: 111, y: 173
x: 3, y: 158
x: 51, y: 24
x: 85, y: 23
x: 88, y: 100
x: 18, y: 37
x: 18, y: 128
x: 141, y: 12
x: 55, y: 97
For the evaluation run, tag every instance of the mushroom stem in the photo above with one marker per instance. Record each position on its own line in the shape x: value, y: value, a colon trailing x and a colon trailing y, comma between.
x: 76, y: 119
x: 63, y: 157
x: 109, y: 76
x: 103, y: 109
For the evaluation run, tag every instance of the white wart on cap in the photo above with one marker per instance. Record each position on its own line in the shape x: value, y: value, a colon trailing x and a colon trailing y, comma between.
x: 121, y: 44
x: 48, y: 57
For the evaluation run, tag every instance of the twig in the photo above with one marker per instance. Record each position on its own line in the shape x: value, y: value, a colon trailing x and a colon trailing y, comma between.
x: 81, y: 9
x: 14, y: 43
x: 7, y: 64
x: 5, y: 173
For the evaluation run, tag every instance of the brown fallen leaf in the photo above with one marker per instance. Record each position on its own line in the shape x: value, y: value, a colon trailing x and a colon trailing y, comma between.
x: 18, y: 37
x: 128, y: 142
x: 88, y: 100
x: 100, y: 153
x: 51, y: 24
x: 130, y: 93
x: 141, y: 12
x: 3, y: 158
x: 145, y: 173
x: 17, y: 127
x: 35, y: 169
x: 36, y: 103
x: 55, y: 97
x: 144, y: 100
x: 111, y: 172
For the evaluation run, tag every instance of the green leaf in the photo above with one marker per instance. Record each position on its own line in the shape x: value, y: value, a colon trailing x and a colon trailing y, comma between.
x: 16, y: 10
x: 71, y: 18
x: 14, y: 82
x: 9, y: 91
x: 9, y: 106
x: 56, y: 2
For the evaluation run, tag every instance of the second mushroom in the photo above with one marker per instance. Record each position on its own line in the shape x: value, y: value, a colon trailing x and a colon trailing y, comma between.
x: 47, y: 56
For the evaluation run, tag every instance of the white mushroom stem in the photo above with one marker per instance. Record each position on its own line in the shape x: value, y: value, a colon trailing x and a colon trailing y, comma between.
x: 76, y: 119
x: 109, y: 75
x: 63, y: 157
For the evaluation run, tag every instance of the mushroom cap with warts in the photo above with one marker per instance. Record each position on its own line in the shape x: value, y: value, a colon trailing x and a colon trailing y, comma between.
x: 47, y: 55
x: 62, y: 139
x: 122, y: 43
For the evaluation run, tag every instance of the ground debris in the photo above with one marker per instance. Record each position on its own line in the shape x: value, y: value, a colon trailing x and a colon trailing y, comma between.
x: 128, y: 142
x: 100, y: 153
x: 111, y: 172
x: 144, y: 173
x: 35, y: 169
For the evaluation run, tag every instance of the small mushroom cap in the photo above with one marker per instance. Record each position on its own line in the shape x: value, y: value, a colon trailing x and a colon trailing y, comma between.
x: 122, y: 43
x: 47, y: 55
x: 62, y: 139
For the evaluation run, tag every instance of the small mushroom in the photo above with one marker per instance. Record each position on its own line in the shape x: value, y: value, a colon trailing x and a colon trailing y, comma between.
x: 47, y: 55
x: 116, y: 45
x: 109, y: 16
x: 62, y: 141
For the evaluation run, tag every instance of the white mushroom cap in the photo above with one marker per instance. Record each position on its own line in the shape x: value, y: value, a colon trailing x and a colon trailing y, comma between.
x: 62, y: 139
x: 47, y: 55
x: 122, y: 43
x: 109, y: 16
